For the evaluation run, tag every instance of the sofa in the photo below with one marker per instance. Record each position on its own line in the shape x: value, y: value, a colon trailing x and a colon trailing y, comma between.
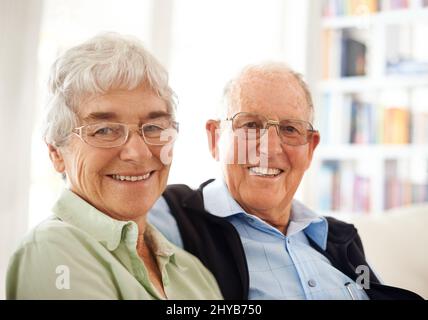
x: 396, y: 245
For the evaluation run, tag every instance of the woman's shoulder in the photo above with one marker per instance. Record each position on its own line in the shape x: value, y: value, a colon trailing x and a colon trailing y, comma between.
x: 52, y: 231
x: 54, y: 251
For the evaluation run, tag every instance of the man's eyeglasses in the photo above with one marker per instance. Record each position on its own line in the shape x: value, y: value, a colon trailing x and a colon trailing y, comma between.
x: 110, y: 134
x: 253, y: 125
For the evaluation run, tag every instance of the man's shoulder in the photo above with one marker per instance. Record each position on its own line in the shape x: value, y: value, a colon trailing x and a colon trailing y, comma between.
x: 178, y: 191
x: 179, y: 187
x: 182, y: 190
x: 181, y: 195
x: 344, y: 236
x: 340, y: 231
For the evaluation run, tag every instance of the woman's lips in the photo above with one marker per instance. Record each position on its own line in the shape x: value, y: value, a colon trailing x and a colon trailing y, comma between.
x: 131, y: 177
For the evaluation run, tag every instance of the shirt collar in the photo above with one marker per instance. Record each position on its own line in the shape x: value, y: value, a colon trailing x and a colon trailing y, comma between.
x: 312, y: 224
x: 164, y: 250
x: 74, y: 210
x: 159, y: 244
x: 219, y: 202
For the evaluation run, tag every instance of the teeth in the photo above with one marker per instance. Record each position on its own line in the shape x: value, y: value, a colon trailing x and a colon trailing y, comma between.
x: 130, y: 178
x: 260, y: 171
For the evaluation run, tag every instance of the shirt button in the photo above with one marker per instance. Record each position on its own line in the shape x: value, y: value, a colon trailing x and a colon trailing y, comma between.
x: 312, y: 283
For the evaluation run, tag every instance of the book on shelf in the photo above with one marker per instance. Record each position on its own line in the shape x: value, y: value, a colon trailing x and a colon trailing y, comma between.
x: 353, y: 57
x: 363, y: 123
x: 396, y: 125
x: 419, y: 116
x: 327, y: 45
x: 386, y: 5
x: 361, y: 194
x: 347, y: 186
x: 334, y: 8
x: 373, y: 107
x: 324, y: 119
x: 331, y: 53
x: 343, y: 53
x: 327, y: 171
x: 342, y: 188
x: 355, y: 120
x: 399, y: 189
x: 406, y: 49
x: 419, y: 127
x: 406, y: 67
x: 419, y: 192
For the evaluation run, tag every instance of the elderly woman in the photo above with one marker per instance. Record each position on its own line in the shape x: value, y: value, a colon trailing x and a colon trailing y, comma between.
x: 109, y: 128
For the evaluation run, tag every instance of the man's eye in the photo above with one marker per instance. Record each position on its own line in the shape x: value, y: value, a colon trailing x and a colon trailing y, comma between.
x: 289, y: 130
x: 251, y: 125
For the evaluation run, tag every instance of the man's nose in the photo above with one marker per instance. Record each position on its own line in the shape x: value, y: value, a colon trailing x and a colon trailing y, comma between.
x: 273, y: 143
x: 135, y: 149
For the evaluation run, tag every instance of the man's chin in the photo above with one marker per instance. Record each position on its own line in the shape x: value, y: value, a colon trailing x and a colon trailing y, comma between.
x: 263, y: 201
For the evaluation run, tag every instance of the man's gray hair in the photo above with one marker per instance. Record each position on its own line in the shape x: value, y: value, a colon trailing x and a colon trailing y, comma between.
x: 109, y: 61
x: 263, y: 68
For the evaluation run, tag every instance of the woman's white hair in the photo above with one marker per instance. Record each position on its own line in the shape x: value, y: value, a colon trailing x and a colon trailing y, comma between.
x: 264, y: 68
x: 106, y: 62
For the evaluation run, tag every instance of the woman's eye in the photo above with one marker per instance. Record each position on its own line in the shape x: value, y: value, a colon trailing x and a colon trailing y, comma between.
x: 152, y: 128
x: 103, y: 131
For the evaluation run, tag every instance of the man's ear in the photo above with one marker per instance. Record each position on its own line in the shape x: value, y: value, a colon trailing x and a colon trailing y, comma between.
x: 213, y: 134
x: 313, y: 143
x: 56, y: 158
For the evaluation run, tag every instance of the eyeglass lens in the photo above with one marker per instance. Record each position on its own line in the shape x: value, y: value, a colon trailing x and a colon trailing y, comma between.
x: 293, y: 132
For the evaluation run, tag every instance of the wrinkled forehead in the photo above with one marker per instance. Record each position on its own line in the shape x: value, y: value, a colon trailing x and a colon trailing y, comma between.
x: 144, y: 93
x: 141, y: 103
x: 268, y: 92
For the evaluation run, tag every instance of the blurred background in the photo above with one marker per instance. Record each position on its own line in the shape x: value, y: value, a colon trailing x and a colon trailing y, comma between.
x: 366, y: 62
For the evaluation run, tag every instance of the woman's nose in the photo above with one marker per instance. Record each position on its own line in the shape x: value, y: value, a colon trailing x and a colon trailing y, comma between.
x: 135, y: 148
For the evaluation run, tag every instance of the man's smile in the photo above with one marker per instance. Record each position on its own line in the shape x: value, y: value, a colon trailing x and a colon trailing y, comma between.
x: 265, y: 171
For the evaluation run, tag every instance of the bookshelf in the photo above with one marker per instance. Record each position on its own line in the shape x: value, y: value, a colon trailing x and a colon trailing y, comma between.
x: 371, y: 95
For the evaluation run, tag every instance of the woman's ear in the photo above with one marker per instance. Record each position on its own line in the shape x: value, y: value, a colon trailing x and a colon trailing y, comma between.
x: 56, y: 158
x: 213, y: 134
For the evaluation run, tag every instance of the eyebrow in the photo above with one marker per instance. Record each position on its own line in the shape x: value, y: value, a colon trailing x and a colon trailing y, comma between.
x: 158, y: 114
x: 100, y: 116
x: 113, y: 115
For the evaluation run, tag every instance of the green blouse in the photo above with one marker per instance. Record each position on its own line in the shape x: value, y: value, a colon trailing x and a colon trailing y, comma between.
x: 81, y: 253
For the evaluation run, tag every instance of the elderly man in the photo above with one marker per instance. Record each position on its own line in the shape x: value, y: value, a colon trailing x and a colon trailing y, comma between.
x: 110, y: 129
x: 245, y: 226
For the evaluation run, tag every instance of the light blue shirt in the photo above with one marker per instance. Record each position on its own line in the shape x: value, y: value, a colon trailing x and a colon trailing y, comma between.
x: 280, y: 266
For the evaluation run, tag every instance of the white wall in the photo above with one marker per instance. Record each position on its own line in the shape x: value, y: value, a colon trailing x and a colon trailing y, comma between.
x: 211, y: 42
x: 19, y: 32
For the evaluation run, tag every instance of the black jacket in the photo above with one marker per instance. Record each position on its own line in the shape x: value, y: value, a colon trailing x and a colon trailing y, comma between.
x: 217, y: 244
